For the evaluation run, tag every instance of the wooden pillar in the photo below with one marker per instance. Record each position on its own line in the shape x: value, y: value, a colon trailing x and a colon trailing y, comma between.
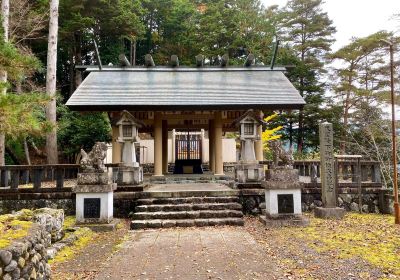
x: 173, y: 145
x: 258, y: 145
x: 165, y: 146
x: 203, y: 154
x: 158, y: 153
x: 116, y: 146
x: 219, y: 163
x: 211, y: 146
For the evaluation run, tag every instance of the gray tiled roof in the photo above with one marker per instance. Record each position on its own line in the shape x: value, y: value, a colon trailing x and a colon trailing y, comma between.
x: 180, y: 88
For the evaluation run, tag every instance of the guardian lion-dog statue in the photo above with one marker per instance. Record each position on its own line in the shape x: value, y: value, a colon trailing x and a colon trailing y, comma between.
x: 278, y: 153
x: 94, y: 160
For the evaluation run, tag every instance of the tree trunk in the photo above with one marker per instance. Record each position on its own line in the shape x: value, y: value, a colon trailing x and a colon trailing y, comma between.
x: 51, y: 137
x: 26, y: 150
x: 78, y: 59
x: 5, y: 12
x: 346, y: 114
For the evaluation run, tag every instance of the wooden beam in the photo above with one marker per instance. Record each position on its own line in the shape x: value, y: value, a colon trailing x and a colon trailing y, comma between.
x: 225, y: 60
x: 199, y: 60
x: 123, y: 60
x: 249, y: 60
x: 148, y: 60
x: 174, y: 60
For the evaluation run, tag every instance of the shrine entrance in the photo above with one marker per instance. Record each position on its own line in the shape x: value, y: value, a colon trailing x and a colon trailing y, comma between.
x: 188, y: 152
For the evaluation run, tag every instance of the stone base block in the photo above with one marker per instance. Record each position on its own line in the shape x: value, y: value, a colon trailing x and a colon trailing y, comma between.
x: 94, y: 208
x: 130, y: 176
x: 249, y: 172
x: 329, y: 213
x: 94, y: 188
x: 282, y: 174
x: 93, y: 178
x: 111, y: 226
x: 288, y: 221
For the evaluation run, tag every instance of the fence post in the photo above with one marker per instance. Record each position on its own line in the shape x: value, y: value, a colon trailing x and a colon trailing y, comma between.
x: 4, y: 178
x: 59, y: 174
x: 14, y: 179
x: 376, y: 173
x: 37, y: 178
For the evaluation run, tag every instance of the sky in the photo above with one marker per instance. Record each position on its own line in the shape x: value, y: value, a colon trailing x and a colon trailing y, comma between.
x: 356, y: 18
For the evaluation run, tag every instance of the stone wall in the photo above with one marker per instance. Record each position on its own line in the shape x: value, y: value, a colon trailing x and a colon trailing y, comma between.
x: 27, y: 258
x: 372, y: 202
x: 15, y: 204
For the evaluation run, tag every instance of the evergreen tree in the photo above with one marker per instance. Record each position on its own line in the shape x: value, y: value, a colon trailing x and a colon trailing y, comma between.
x: 308, y: 31
x: 362, y: 78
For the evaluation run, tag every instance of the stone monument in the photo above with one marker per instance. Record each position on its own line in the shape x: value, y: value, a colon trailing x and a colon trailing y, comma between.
x: 282, y: 190
x: 129, y: 173
x: 94, y: 189
x: 328, y: 188
x: 248, y: 170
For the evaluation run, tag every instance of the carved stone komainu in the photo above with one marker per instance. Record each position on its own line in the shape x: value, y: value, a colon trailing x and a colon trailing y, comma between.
x: 278, y: 153
x: 94, y: 160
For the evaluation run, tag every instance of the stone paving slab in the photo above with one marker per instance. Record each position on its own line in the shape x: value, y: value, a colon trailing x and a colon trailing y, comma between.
x: 190, y: 253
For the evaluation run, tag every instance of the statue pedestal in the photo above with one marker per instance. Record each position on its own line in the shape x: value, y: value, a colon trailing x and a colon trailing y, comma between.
x: 94, y: 198
x: 283, y: 198
x: 129, y: 175
x: 249, y: 172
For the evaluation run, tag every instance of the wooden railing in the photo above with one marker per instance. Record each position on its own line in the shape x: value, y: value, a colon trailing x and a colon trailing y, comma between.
x: 12, y: 177
x: 347, y: 170
x: 34, y: 176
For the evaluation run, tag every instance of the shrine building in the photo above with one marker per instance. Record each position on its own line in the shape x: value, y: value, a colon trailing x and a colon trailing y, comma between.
x: 186, y: 111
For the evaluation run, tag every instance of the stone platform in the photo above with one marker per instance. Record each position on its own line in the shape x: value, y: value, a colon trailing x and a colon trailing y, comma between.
x: 290, y: 221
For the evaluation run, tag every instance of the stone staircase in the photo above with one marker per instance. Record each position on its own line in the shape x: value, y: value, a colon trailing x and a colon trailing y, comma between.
x: 187, y: 212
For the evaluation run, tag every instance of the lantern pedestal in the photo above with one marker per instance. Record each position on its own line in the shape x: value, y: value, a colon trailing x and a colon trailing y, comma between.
x: 129, y: 175
x: 249, y: 172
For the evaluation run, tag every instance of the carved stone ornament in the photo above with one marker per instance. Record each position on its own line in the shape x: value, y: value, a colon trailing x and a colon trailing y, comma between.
x: 278, y: 153
x: 94, y: 160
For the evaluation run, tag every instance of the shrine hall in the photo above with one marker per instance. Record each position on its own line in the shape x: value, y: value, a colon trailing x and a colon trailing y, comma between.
x: 193, y: 104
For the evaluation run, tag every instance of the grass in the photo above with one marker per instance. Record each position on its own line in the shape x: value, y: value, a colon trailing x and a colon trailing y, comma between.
x: 14, y: 228
x: 372, y: 237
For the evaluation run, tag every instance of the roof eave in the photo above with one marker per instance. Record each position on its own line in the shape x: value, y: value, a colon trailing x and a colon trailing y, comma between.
x: 111, y: 108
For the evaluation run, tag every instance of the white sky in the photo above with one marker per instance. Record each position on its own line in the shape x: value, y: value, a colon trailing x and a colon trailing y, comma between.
x: 356, y: 18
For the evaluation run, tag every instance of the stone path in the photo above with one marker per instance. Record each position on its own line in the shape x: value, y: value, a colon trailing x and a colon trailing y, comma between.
x: 193, y: 253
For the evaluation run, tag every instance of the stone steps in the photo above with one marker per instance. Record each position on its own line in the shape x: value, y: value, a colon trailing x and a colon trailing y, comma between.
x: 201, y: 214
x: 168, y: 223
x: 189, y: 207
x: 185, y: 200
x: 187, y: 212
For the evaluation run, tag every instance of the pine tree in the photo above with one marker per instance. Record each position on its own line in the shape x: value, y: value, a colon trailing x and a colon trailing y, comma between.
x: 308, y: 31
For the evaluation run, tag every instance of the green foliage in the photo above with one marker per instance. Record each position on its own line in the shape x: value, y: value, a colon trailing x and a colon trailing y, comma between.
x: 14, y: 62
x: 80, y: 131
x: 22, y: 115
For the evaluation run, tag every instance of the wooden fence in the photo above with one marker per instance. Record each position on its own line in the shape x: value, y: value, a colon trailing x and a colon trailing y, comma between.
x: 12, y: 177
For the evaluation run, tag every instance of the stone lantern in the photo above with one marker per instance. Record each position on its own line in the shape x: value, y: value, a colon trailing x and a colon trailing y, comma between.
x: 129, y: 171
x: 248, y: 169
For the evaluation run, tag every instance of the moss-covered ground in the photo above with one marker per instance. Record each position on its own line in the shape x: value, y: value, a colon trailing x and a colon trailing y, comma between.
x: 14, y: 227
x: 371, y: 237
x: 361, y: 246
